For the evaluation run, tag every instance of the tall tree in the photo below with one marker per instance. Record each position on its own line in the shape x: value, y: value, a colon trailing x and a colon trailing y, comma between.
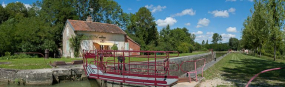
x: 275, y: 10
x: 143, y: 26
x: 220, y: 38
x: 246, y: 34
x: 216, y: 38
x: 3, y: 14
x: 259, y: 27
x: 16, y: 10
x: 203, y: 42
x: 55, y: 13
x: 165, y: 40
x: 234, y: 43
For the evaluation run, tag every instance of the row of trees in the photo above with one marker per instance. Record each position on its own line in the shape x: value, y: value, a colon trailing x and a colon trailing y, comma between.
x: 39, y: 27
x: 217, y: 45
x: 262, y: 31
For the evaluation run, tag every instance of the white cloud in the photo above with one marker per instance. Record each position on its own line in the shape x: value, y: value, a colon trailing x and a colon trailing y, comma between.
x: 186, y: 12
x: 205, y: 37
x: 166, y: 21
x: 27, y: 5
x: 250, y: 0
x: 226, y: 37
x: 210, y: 33
x: 231, y: 29
x: 198, y: 32
x: 188, y: 24
x: 208, y: 36
x: 203, y: 22
x: 222, y: 13
x: 232, y: 10
x: 130, y: 9
x: 155, y: 9
x: 4, y: 5
x: 200, y: 38
x: 231, y: 0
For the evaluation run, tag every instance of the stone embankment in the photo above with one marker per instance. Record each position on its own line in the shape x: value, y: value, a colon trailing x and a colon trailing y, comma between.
x: 42, y: 76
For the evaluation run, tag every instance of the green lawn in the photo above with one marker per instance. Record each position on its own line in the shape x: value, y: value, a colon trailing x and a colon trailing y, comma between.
x: 152, y: 58
x: 39, y: 63
x: 239, y: 68
x: 32, y: 63
x: 193, y: 53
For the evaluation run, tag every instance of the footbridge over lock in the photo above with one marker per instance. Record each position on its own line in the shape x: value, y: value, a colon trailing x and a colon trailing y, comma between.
x: 151, y: 68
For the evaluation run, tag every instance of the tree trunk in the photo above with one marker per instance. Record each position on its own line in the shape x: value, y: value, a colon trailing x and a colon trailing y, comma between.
x: 253, y: 52
x: 260, y: 51
x: 274, y: 52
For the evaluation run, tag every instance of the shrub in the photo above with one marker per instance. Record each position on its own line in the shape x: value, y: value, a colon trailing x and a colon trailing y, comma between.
x: 75, y: 42
x: 114, y: 47
x: 7, y: 53
x: 185, y: 47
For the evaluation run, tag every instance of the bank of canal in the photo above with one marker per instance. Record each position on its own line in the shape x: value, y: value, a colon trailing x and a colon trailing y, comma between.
x: 84, y: 83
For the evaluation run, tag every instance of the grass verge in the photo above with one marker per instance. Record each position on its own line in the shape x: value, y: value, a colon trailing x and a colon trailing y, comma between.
x: 32, y: 63
x: 40, y: 63
x: 240, y: 68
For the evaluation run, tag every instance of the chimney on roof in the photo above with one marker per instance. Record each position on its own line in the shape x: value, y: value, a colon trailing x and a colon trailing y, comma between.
x: 89, y: 19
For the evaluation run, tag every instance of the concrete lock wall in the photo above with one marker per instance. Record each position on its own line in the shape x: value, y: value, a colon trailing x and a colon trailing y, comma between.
x: 178, y: 60
x: 41, y: 76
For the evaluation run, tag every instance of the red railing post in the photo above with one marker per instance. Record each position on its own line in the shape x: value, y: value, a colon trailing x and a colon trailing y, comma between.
x: 155, y: 68
x: 168, y: 63
x: 195, y: 71
x: 123, y: 65
x: 148, y: 63
x: 129, y: 62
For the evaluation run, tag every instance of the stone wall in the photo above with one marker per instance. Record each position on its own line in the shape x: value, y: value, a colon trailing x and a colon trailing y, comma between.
x: 178, y: 60
x: 41, y: 76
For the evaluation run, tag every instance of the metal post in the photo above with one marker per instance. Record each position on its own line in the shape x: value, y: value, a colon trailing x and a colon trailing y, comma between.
x: 155, y: 67
x: 148, y: 63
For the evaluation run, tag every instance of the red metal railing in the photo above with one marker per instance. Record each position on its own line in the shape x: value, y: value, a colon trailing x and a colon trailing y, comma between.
x: 195, y: 71
x: 127, y: 67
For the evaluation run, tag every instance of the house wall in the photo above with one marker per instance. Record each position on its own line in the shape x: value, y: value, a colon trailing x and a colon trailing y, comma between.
x: 68, y: 32
x: 133, y: 46
x: 93, y: 37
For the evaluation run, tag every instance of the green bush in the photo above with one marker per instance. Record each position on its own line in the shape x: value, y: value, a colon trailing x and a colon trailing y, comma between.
x: 204, y: 49
x: 114, y: 47
x: 185, y: 47
x: 7, y: 53
x: 16, y: 56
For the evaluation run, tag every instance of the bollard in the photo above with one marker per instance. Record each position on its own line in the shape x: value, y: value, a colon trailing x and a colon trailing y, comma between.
x: 46, y: 53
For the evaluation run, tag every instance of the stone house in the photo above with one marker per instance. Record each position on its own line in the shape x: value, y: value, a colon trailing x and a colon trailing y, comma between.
x: 101, y: 36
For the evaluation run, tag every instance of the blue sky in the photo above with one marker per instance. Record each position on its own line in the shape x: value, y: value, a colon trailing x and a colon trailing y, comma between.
x: 201, y: 17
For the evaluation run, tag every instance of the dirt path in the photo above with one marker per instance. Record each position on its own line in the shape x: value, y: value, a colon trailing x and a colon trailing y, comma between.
x: 214, y: 83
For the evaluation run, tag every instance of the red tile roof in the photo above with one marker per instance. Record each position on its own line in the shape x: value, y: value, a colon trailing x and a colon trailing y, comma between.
x: 79, y: 25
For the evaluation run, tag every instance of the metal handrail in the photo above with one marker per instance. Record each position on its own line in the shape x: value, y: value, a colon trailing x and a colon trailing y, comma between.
x: 99, y: 55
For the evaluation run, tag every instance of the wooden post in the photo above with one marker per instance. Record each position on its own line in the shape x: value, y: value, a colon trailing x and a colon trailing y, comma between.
x: 46, y: 53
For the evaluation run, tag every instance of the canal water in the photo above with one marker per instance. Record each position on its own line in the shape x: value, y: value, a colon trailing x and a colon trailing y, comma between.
x: 84, y: 83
